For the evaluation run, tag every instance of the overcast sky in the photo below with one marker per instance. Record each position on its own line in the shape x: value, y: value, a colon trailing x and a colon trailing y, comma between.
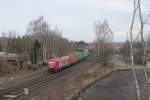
x: 75, y: 18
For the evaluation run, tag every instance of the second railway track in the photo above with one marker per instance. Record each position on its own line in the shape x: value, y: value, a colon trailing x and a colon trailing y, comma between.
x: 17, y: 90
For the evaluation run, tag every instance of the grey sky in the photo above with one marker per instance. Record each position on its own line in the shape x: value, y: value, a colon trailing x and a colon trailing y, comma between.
x: 74, y: 17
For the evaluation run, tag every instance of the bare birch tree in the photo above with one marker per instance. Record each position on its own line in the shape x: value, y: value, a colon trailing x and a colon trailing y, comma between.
x: 135, y: 7
x: 104, y: 36
x: 50, y: 39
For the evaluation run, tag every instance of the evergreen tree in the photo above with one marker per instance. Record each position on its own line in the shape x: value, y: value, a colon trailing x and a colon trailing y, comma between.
x: 35, y: 52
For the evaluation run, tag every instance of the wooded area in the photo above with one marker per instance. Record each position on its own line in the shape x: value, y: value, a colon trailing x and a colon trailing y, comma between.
x: 40, y: 42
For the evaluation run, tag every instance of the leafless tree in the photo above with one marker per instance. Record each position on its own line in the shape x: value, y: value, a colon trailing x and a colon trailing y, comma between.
x: 125, y: 52
x: 50, y: 40
x: 4, y: 42
x: 104, y: 37
x: 135, y: 7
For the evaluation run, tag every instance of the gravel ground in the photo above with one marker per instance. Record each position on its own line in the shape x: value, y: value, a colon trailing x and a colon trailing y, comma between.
x: 117, y: 86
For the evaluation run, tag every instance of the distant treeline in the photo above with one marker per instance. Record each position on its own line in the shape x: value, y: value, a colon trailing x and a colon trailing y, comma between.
x: 40, y: 42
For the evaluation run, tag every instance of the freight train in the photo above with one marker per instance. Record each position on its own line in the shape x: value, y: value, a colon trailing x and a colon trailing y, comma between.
x: 59, y: 63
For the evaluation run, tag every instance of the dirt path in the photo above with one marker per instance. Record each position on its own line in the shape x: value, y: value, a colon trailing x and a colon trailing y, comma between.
x: 118, y: 86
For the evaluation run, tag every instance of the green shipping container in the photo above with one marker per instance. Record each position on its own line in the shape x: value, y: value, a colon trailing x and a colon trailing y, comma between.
x: 80, y: 55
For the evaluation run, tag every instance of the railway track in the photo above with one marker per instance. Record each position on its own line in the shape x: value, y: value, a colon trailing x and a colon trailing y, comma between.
x: 17, y: 90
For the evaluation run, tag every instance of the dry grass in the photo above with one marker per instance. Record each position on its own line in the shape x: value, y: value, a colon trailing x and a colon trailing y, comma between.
x: 11, y: 70
x: 6, y: 68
